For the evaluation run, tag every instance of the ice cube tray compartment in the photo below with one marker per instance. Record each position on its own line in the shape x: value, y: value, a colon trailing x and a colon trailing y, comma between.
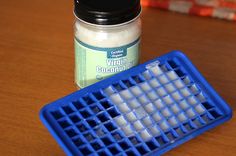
x: 146, y: 110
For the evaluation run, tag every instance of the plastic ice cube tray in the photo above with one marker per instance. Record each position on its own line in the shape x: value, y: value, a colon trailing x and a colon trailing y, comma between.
x: 146, y: 110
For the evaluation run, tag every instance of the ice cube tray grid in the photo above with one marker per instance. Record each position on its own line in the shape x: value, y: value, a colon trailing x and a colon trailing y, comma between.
x: 103, y: 121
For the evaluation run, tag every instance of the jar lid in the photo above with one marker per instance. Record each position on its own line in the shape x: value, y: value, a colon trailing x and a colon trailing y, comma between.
x: 107, y: 12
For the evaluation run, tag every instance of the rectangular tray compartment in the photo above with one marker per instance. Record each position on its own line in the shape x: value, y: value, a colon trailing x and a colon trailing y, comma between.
x: 146, y: 110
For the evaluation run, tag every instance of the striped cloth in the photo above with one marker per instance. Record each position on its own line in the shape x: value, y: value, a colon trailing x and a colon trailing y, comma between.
x: 224, y: 9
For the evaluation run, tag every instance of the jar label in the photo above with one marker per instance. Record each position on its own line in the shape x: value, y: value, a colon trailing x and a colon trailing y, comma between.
x: 93, y: 64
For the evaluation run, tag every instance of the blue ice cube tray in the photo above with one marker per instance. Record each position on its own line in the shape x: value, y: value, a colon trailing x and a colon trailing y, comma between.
x: 146, y: 110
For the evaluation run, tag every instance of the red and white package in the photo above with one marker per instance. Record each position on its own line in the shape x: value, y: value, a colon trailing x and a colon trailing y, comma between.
x: 224, y: 9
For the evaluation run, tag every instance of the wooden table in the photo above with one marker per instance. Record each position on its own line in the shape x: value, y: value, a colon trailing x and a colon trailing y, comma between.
x: 37, y: 63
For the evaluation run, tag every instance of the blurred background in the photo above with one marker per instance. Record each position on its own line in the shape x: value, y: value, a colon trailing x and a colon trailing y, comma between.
x: 223, y: 9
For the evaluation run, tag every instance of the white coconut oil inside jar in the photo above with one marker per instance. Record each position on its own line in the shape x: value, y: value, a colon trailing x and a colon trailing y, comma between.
x: 106, y: 40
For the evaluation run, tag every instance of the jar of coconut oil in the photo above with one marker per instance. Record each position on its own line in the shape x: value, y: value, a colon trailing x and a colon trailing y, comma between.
x: 107, y: 38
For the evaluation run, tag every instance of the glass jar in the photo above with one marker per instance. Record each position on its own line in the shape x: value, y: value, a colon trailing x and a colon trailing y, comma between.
x: 107, y: 38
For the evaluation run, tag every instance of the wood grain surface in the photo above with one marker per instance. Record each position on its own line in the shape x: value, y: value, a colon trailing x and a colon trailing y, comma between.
x: 37, y: 64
